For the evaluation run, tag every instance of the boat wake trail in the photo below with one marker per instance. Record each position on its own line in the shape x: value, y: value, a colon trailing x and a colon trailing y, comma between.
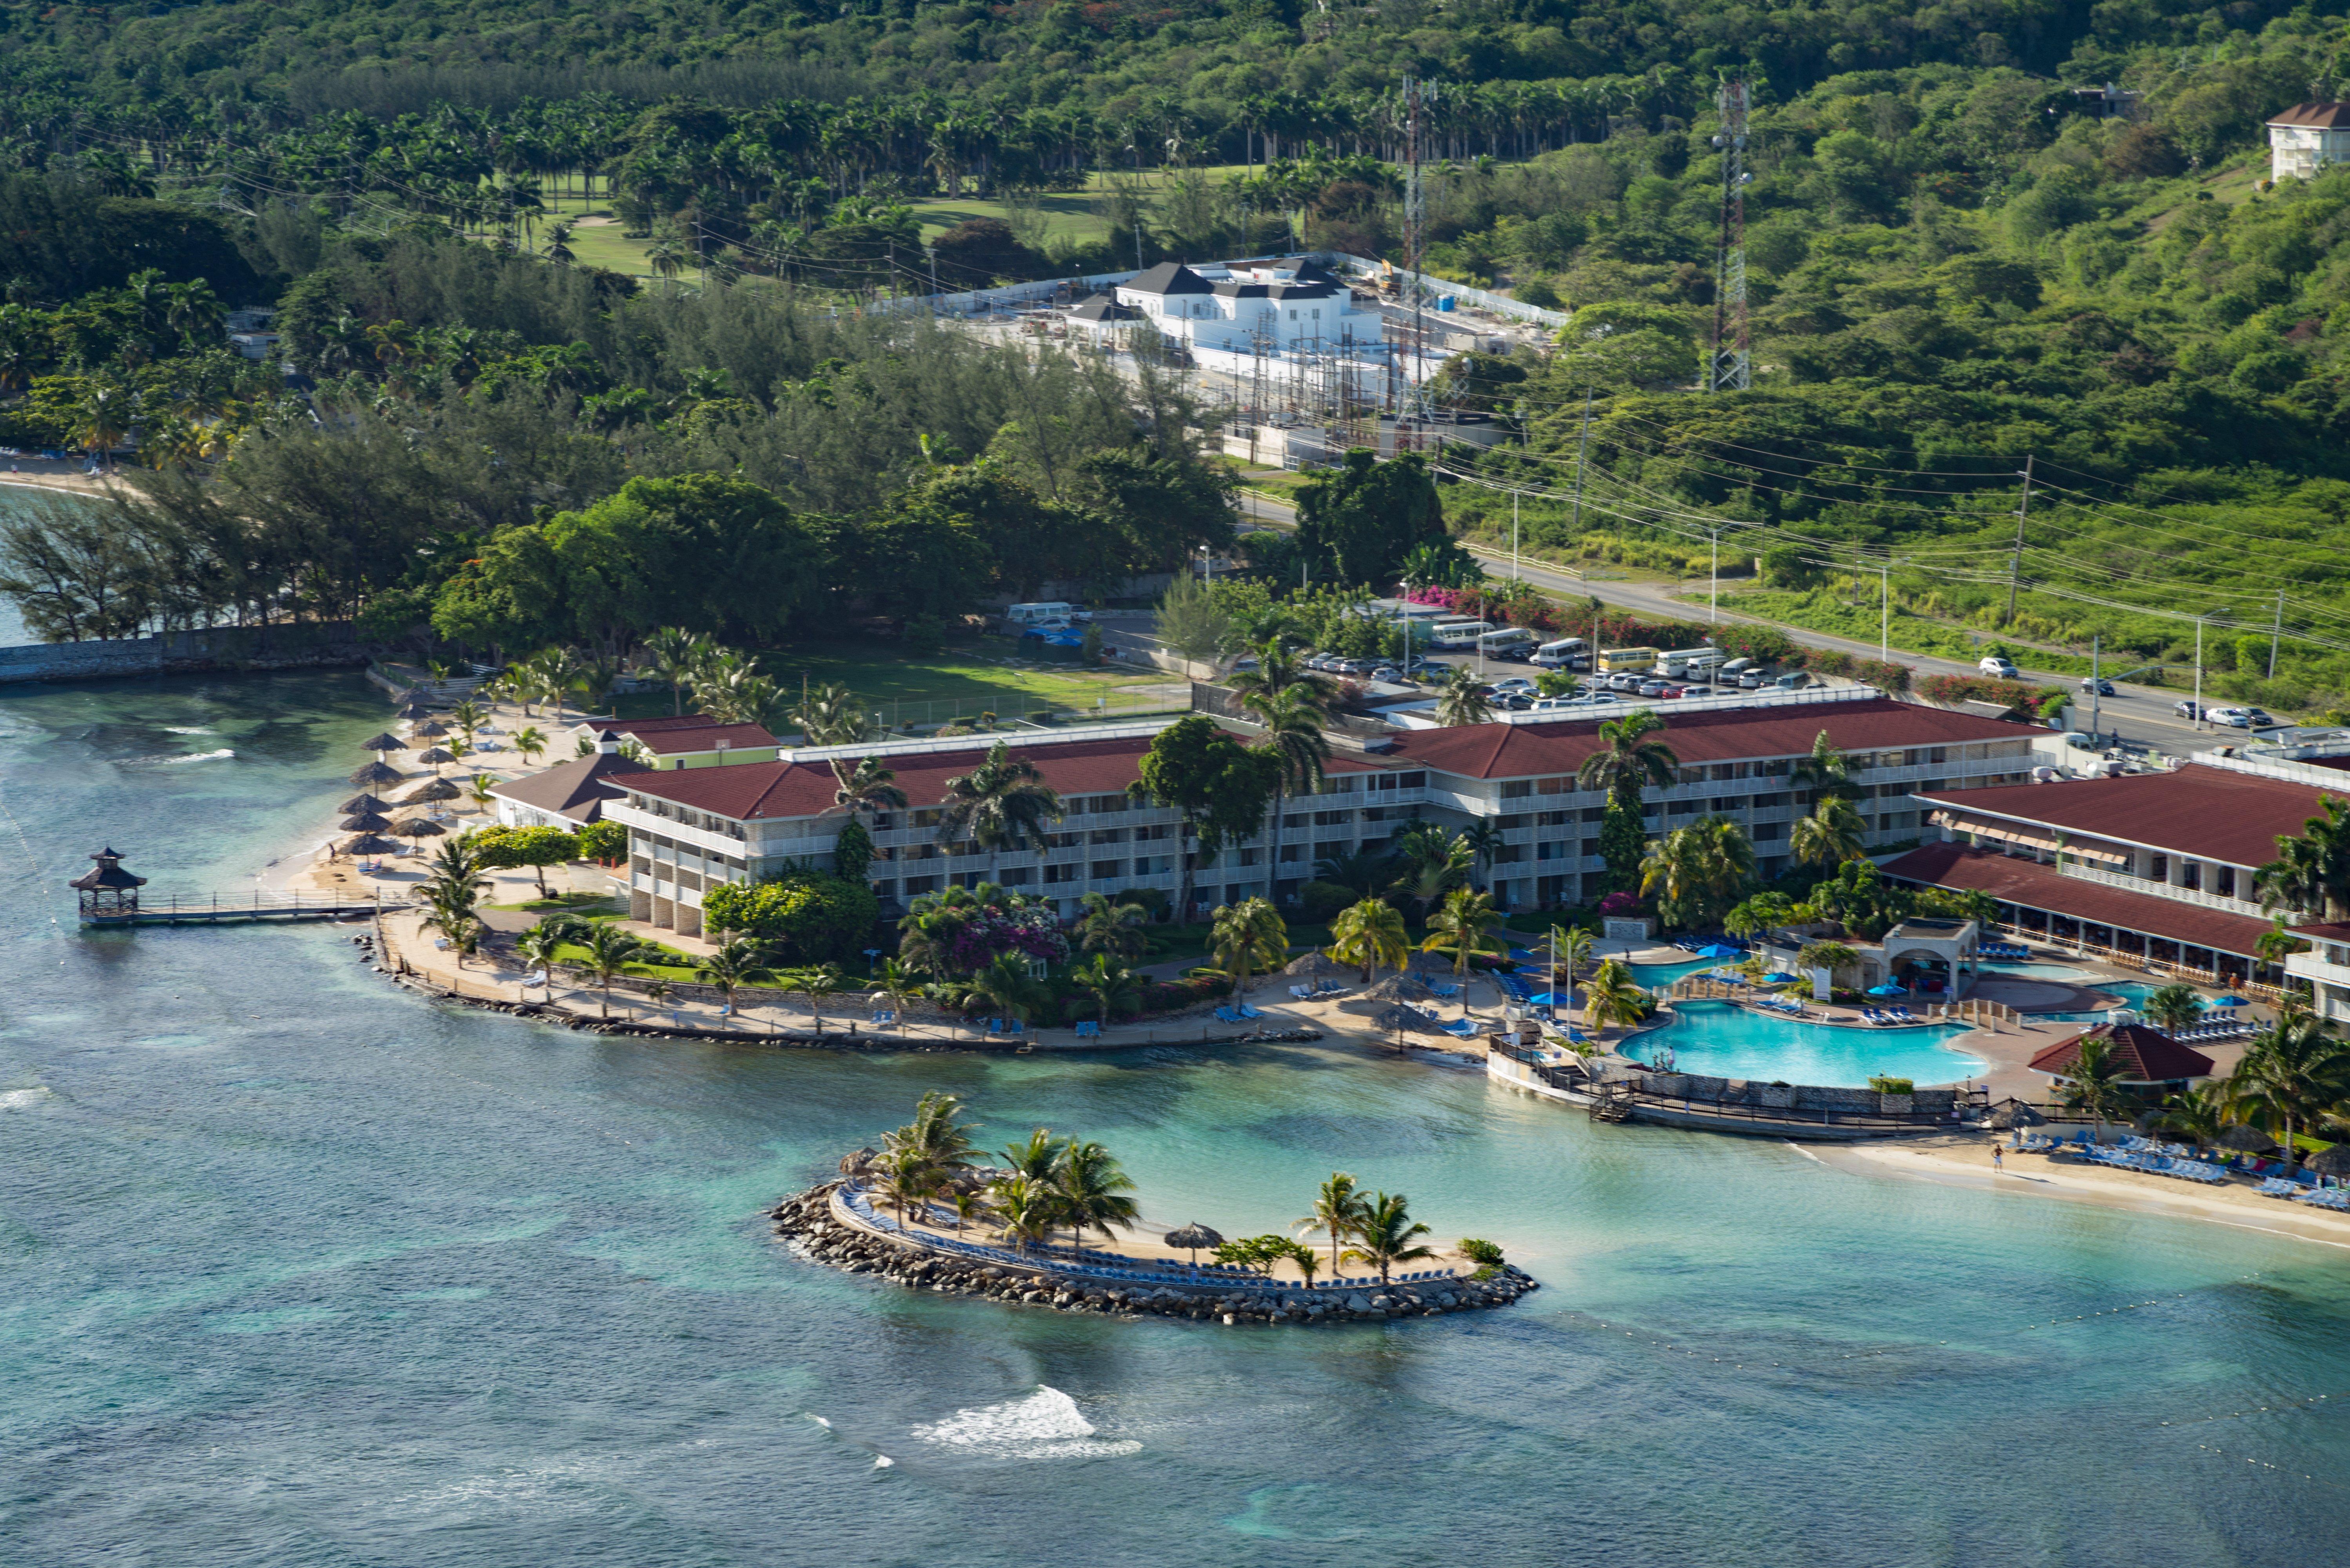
x: 1045, y: 1424
x: 188, y: 757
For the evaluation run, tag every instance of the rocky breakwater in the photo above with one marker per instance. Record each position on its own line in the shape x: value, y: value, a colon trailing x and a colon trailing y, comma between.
x: 827, y: 1235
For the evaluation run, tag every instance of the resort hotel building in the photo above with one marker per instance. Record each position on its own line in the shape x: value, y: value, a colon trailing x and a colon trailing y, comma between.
x: 737, y: 822
x: 2152, y: 868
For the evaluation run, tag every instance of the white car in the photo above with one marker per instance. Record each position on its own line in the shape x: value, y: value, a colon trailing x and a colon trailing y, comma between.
x: 1514, y: 683
x: 2240, y: 718
x: 1999, y: 666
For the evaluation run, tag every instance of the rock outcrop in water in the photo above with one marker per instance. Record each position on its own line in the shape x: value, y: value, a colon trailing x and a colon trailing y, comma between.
x: 810, y: 1218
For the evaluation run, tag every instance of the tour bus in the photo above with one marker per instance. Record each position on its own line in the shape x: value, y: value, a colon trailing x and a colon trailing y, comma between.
x: 1044, y: 611
x: 1509, y: 640
x: 1457, y: 635
x: 1617, y: 660
x: 1565, y: 652
x: 1691, y: 661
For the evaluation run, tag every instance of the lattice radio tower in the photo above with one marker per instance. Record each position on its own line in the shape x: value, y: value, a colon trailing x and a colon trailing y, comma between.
x: 1413, y: 398
x: 1733, y: 366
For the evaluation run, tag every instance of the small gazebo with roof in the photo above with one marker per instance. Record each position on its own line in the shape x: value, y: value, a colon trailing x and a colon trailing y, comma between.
x: 107, y: 892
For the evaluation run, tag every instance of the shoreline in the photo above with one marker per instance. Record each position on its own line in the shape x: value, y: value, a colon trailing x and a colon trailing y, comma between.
x: 822, y: 1228
x: 1954, y: 1161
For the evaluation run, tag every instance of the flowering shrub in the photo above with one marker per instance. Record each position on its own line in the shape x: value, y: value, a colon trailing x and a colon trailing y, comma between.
x: 1619, y: 905
x: 1029, y: 929
x: 1952, y: 690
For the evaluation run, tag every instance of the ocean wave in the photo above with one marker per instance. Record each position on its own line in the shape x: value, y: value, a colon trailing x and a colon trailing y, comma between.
x: 186, y: 730
x: 1046, y: 1425
x: 187, y: 757
x: 24, y: 1099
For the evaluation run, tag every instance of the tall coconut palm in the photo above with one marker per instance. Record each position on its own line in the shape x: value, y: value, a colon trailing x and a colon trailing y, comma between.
x: 1611, y: 996
x: 908, y: 1179
x: 1465, y: 927
x: 673, y: 653
x: 1387, y: 1235
x: 1003, y: 803
x: 1463, y: 702
x: 2294, y: 1073
x: 1370, y: 934
x: 1483, y: 840
x: 1826, y: 771
x: 1005, y: 985
x: 538, y: 947
x: 1627, y: 761
x: 1113, y: 987
x: 1036, y: 1156
x: 1697, y: 873
x: 867, y: 786
x: 834, y: 716
x: 1338, y: 1210
x: 1107, y: 926
x: 2312, y: 870
x: 937, y: 1133
x: 2093, y: 1083
x: 1246, y: 938
x: 1093, y: 1190
x: 898, y: 984
x: 1570, y: 948
x: 609, y: 950
x: 530, y: 742
x: 1026, y: 1210
x: 2199, y: 1115
x: 733, y: 965
x: 2171, y: 1007
x: 1292, y: 716
x: 1831, y: 834
x: 812, y: 982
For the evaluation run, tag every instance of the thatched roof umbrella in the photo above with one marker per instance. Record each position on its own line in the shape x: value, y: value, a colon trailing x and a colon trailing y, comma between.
x: 858, y: 1161
x: 1401, y: 1021
x: 362, y: 802
x: 366, y: 822
x: 430, y: 730
x: 383, y: 740
x: 1191, y: 1238
x: 2245, y: 1139
x: 2334, y: 1162
x: 368, y: 843
x: 377, y: 774
x: 2013, y: 1114
x: 430, y: 790
x: 1315, y: 965
x: 436, y: 756
x: 415, y: 827
x: 1399, y: 986
x: 415, y: 710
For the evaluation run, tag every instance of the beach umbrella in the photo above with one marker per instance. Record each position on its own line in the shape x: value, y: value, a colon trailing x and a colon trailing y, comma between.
x: 1887, y: 990
x: 1777, y: 976
x: 366, y: 822
x: 361, y: 802
x: 436, y: 756
x: 1549, y: 999
x: 384, y: 740
x: 1191, y: 1238
x: 856, y: 1162
x: 430, y: 730
x: 415, y: 710
x: 2230, y: 1000
x: 430, y: 790
x: 2013, y: 1113
x: 2246, y: 1140
x: 1400, y: 1021
x: 418, y: 827
x: 2334, y: 1162
x: 1400, y: 986
x: 1719, y: 950
x: 377, y: 774
x: 368, y: 843
x: 1310, y: 965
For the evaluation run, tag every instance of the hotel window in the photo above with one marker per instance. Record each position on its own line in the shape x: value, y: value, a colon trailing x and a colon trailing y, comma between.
x: 918, y: 886
x: 2158, y: 868
x: 1107, y: 836
x: 1415, y: 780
x: 925, y: 818
x: 1016, y: 875
x: 2191, y: 875
x: 1067, y: 873
x: 1107, y: 870
x: 2224, y: 883
x: 1553, y: 818
x: 1517, y: 789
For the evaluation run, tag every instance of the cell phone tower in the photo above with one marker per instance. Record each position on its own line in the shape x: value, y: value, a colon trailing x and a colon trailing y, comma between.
x: 1413, y: 398
x: 1733, y: 366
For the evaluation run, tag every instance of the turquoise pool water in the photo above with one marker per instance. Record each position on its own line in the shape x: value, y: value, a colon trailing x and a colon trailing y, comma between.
x: 1722, y: 1041
x: 2040, y: 971
x: 1656, y: 975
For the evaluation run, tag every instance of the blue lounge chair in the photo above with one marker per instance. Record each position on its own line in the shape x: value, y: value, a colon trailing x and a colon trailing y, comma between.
x: 1248, y: 1012
x: 1465, y: 1028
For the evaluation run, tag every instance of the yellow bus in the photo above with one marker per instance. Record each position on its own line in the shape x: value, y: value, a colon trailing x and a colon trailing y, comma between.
x: 1617, y: 660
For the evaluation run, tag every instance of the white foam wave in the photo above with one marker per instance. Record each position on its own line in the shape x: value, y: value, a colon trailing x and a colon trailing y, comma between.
x: 883, y: 1463
x: 24, y: 1099
x: 1046, y: 1425
x: 821, y: 1422
x: 186, y: 730
x: 188, y: 757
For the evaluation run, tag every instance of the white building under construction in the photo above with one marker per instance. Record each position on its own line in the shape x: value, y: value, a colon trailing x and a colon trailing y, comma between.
x: 1296, y: 321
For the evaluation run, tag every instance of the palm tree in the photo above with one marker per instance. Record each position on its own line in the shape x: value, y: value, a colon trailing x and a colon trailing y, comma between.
x: 1338, y: 1210
x: 538, y: 947
x: 1570, y: 951
x: 1113, y: 987
x: 1034, y: 1156
x: 469, y: 716
x: 481, y: 789
x: 1105, y: 927
x: 1026, y: 1210
x: 609, y: 950
x: 1005, y: 985
x: 530, y: 742
x: 1612, y: 997
x: 1832, y: 833
x: 1627, y: 761
x: 667, y: 254
x: 2199, y: 1114
x: 1387, y: 1235
x: 1484, y: 840
x: 834, y: 716
x: 1248, y: 938
x: 1464, y: 927
x: 2294, y: 1073
x: 1293, y: 716
x: 1001, y: 805
x: 673, y: 652
x: 558, y: 670
x: 1463, y: 702
x: 1370, y: 934
x: 813, y: 982
x: 2171, y: 1008
x: 2312, y: 870
x: 867, y: 786
x: 732, y: 965
x: 1092, y: 1189
x: 1435, y: 862
x: 462, y: 931
x: 907, y: 1179
x: 2093, y: 1083
x: 1826, y: 771
x: 1697, y: 873
x: 937, y: 1133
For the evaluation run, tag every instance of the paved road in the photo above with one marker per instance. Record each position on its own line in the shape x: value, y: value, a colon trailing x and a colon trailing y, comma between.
x: 2141, y: 715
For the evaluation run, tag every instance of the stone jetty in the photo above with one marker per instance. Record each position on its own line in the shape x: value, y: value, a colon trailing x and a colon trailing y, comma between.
x: 828, y: 1234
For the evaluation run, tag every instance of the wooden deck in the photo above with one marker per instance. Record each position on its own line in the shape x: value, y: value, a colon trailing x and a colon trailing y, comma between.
x: 223, y: 909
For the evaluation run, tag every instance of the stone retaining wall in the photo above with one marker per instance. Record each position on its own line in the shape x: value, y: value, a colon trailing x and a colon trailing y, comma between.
x: 1793, y: 1097
x: 231, y: 648
x: 830, y: 1236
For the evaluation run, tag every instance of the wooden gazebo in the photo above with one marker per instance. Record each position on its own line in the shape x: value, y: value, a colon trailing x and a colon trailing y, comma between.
x: 107, y: 892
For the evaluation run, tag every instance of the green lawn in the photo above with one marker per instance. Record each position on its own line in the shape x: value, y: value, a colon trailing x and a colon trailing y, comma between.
x: 986, y: 677
x: 594, y: 906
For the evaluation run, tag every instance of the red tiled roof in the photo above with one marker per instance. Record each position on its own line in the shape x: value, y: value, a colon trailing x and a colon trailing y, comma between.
x: 749, y: 791
x: 2146, y: 1054
x: 2207, y: 812
x: 658, y: 726
x: 707, y: 738
x: 2315, y: 116
x: 575, y: 789
x: 1528, y: 751
x: 2012, y: 881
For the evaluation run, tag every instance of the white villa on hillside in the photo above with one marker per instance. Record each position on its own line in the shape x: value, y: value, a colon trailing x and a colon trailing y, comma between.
x: 1299, y: 318
x: 2308, y: 137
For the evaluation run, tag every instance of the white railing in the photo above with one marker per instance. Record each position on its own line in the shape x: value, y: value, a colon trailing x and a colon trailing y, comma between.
x: 2170, y: 890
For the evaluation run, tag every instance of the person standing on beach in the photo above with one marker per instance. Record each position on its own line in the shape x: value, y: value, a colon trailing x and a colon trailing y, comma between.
x: 1997, y: 1164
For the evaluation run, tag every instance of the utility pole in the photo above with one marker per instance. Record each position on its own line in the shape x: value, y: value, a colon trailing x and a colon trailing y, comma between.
x: 1415, y: 224
x: 1885, y: 611
x: 1515, y: 574
x: 2096, y: 688
x: 2276, y: 631
x: 1582, y: 442
x: 1713, y: 584
x: 2199, y: 674
x: 2015, y: 563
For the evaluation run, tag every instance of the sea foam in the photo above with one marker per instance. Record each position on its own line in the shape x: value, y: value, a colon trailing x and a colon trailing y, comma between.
x: 187, y: 757
x: 1045, y: 1424
x: 24, y: 1099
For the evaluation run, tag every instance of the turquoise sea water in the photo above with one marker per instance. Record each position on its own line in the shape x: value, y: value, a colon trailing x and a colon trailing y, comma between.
x: 1721, y: 1040
x: 296, y: 1269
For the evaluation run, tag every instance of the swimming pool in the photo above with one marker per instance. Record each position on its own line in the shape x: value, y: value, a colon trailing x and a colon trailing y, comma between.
x: 1656, y: 976
x: 1722, y: 1041
x: 2040, y: 971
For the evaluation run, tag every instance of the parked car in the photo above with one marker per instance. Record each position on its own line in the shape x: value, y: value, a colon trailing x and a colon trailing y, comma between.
x: 2235, y: 717
x: 2097, y: 686
x: 1385, y: 672
x: 1672, y: 693
x: 1625, y: 681
x: 1511, y: 701
x: 1735, y: 669
x: 1521, y: 654
x: 1793, y: 681
x: 1753, y: 680
x: 1653, y: 687
x: 1514, y: 683
x: 2186, y: 708
x: 1356, y: 666
x: 1998, y: 665
x: 2259, y: 719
